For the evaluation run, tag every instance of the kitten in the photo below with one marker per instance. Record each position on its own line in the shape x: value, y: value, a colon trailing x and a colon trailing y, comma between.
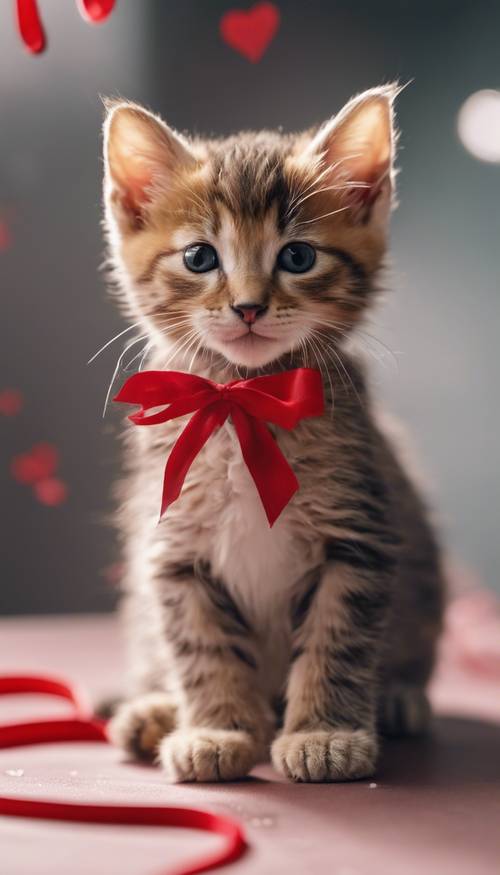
x: 237, y: 257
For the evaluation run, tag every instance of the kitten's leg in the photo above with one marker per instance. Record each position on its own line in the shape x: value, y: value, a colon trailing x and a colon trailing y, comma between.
x: 411, y: 640
x: 148, y: 711
x: 224, y: 722
x: 329, y: 732
x: 140, y: 724
x: 403, y: 709
x: 409, y: 656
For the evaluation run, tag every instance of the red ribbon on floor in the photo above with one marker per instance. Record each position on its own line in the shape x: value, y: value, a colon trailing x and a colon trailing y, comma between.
x: 283, y: 399
x: 83, y: 727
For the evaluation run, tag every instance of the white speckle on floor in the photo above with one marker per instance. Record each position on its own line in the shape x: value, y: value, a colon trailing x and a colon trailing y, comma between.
x: 261, y: 821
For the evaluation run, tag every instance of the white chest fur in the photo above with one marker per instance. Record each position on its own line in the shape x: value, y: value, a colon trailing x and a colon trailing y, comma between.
x: 258, y: 564
x: 255, y: 561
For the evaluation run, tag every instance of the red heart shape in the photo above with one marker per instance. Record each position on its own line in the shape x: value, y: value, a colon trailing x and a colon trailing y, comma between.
x: 11, y: 402
x: 39, y: 464
x: 250, y: 32
x: 5, y: 236
x: 51, y: 491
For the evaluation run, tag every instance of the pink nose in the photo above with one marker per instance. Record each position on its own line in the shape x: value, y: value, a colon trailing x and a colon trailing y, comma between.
x: 249, y: 313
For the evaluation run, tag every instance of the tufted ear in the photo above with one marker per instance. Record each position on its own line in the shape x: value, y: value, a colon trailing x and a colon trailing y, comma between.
x: 141, y: 155
x: 358, y: 145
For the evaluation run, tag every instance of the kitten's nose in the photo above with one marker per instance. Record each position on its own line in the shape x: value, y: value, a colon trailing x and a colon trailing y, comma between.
x: 249, y: 312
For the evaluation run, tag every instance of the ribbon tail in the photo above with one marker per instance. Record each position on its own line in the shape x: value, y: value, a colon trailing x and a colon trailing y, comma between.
x: 187, y: 446
x: 30, y: 26
x: 274, y: 478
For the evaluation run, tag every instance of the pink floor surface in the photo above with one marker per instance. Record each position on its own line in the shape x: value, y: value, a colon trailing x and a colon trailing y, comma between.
x: 434, y: 809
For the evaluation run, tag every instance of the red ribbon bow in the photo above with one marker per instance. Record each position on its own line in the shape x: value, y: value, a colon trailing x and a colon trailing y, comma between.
x: 283, y: 399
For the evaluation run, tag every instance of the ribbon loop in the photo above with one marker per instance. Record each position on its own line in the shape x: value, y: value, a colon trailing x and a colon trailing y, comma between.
x: 283, y: 399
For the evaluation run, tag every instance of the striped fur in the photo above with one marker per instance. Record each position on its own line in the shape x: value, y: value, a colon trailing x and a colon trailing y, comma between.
x: 321, y: 631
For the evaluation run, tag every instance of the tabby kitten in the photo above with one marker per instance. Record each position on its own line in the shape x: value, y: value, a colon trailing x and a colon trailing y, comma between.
x: 244, y: 256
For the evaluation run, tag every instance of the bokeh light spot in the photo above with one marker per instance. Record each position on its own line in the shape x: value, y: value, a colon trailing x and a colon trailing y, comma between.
x: 479, y: 125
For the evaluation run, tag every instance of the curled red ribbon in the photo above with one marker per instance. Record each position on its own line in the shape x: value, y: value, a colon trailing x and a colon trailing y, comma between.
x: 82, y: 726
x: 283, y: 399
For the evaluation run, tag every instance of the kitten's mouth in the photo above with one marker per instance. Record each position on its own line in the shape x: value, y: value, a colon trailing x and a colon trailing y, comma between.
x: 251, y: 337
x: 249, y: 348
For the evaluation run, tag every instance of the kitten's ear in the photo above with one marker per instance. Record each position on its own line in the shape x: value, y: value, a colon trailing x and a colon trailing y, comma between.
x: 141, y: 155
x: 358, y: 145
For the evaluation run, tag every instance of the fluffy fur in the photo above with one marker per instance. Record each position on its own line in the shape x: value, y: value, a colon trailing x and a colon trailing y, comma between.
x: 318, y: 633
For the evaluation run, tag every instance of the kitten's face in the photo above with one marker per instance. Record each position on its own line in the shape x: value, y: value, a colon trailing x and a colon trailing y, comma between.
x: 254, y: 247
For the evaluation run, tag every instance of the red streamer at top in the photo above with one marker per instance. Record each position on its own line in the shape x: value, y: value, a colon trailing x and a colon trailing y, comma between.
x: 96, y: 11
x: 31, y: 28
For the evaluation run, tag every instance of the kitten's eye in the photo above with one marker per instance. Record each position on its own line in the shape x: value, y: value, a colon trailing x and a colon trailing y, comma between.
x: 201, y: 257
x: 296, y: 257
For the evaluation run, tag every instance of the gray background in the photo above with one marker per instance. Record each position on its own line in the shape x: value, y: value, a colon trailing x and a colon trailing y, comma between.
x: 441, y: 317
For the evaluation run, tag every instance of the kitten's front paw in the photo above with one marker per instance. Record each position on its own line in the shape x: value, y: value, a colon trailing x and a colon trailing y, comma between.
x: 208, y: 755
x: 138, y: 726
x: 337, y: 755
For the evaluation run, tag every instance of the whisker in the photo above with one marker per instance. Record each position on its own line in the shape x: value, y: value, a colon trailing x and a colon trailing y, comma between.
x: 309, y: 342
x: 304, y: 350
x: 342, y: 187
x: 297, y: 200
x: 109, y: 342
x: 324, y: 216
x: 117, y: 368
x: 144, y: 355
x: 169, y: 326
x: 328, y: 376
x: 317, y: 179
x: 331, y: 351
x: 184, y: 340
x: 357, y: 332
x: 200, y: 341
x: 127, y: 367
x: 190, y: 345
x: 384, y: 346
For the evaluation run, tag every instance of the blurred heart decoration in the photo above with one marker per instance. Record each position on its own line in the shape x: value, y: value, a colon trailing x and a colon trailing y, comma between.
x: 5, y: 236
x: 51, y: 491
x: 37, y: 468
x: 11, y: 402
x: 251, y: 31
x: 37, y: 464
